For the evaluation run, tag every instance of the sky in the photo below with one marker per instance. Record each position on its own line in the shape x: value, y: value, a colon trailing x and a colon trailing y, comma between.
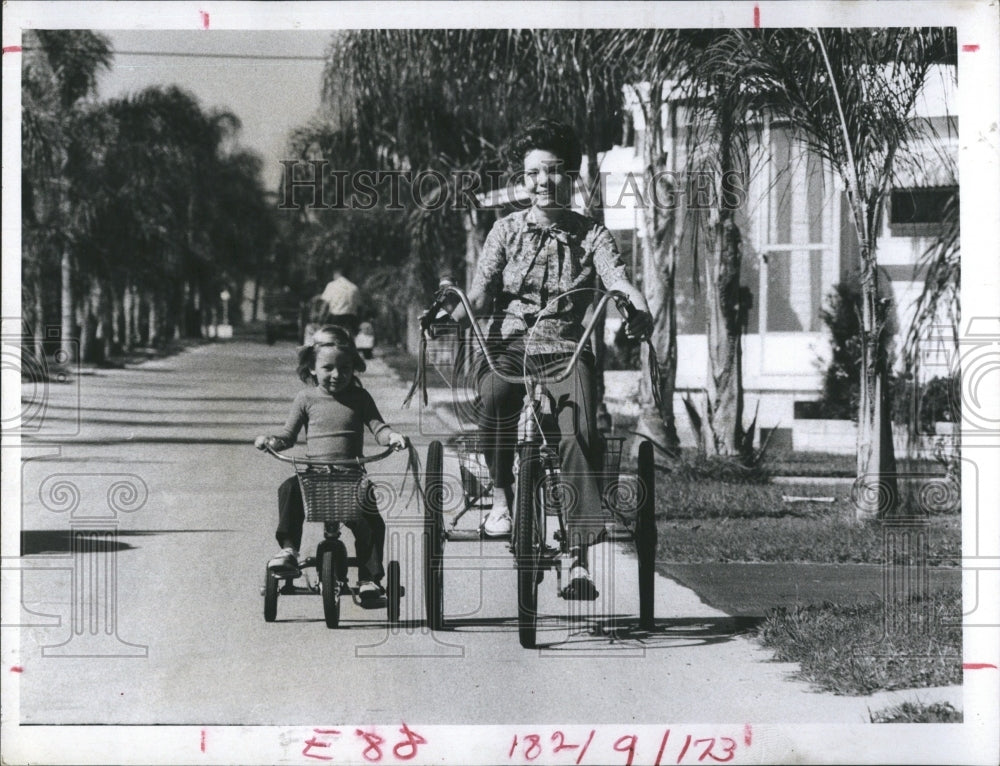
x: 239, y: 71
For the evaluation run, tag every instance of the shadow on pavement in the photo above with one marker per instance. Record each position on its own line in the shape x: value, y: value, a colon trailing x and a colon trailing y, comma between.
x: 55, y: 541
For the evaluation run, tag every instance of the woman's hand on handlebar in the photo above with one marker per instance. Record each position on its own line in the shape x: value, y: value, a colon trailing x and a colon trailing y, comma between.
x: 638, y: 324
x: 633, y: 307
x: 397, y: 441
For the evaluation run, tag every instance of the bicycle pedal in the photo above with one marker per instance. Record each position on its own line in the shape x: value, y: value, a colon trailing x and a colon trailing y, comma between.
x: 284, y: 573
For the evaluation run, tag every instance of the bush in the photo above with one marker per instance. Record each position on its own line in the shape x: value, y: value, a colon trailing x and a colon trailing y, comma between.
x: 936, y: 401
x: 842, y: 378
x: 918, y: 712
x: 697, y: 466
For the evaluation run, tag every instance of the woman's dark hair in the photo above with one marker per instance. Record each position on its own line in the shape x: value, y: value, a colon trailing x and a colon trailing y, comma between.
x: 327, y: 335
x: 550, y: 135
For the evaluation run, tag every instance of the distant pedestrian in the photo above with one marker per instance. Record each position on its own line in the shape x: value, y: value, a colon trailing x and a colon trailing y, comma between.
x: 343, y: 299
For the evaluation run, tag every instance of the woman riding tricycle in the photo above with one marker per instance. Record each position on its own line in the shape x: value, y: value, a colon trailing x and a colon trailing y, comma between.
x: 535, y: 281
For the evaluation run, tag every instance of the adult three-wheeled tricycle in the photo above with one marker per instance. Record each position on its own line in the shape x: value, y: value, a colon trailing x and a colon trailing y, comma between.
x: 539, y: 539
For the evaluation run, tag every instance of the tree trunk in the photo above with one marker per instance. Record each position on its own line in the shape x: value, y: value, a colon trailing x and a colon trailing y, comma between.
x: 128, y: 316
x: 661, y: 235
x: 153, y: 334
x: 117, y: 318
x: 106, y: 320
x: 66, y: 337
x: 256, y: 297
x: 723, y: 312
x: 876, y: 492
x: 38, y: 330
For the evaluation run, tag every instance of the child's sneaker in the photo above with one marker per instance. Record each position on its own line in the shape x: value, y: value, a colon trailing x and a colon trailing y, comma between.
x: 581, y: 587
x: 287, y: 559
x: 368, y: 591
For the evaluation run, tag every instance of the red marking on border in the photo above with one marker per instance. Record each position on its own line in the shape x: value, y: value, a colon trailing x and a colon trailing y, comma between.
x: 16, y: 668
x: 203, y: 740
x: 204, y: 19
x: 12, y: 49
x: 747, y: 734
x: 756, y: 17
x: 978, y: 666
x: 970, y: 48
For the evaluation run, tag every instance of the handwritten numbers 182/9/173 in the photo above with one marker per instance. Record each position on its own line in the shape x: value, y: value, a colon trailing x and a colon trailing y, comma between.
x: 689, y: 749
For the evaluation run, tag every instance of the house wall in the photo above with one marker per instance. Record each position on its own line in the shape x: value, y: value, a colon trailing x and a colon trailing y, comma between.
x: 799, y: 241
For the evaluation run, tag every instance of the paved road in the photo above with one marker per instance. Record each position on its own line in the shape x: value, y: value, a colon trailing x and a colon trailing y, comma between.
x: 181, y: 637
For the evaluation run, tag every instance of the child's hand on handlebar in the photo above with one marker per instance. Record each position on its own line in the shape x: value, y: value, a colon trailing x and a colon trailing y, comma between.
x: 397, y: 441
x: 265, y: 442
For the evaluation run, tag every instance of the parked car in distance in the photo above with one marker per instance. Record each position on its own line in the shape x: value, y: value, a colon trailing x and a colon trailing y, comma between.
x: 284, y: 317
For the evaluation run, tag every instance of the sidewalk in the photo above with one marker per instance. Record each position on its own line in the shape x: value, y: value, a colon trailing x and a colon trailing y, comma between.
x: 747, y: 591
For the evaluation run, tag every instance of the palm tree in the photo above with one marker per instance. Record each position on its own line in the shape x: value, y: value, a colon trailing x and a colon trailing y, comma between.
x: 173, y: 214
x: 60, y: 71
x: 851, y: 95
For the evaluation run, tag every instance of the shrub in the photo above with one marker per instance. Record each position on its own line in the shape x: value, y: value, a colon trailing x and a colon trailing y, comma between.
x: 936, y: 401
x: 698, y: 466
x: 918, y: 712
x: 842, y: 378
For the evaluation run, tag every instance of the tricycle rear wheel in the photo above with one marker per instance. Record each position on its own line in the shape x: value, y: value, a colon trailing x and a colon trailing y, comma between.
x: 270, y: 596
x: 393, y: 592
x: 434, y: 536
x: 645, y: 535
x: 526, y: 547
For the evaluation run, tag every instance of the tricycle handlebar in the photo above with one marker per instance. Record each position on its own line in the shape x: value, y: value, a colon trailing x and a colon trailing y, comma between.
x: 346, y: 463
x: 447, y: 288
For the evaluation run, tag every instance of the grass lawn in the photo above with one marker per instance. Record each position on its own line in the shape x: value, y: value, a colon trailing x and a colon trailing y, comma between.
x: 747, y: 549
x: 718, y: 522
x: 864, y: 657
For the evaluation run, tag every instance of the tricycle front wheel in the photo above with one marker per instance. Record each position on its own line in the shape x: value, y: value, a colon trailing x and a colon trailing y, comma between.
x: 330, y: 585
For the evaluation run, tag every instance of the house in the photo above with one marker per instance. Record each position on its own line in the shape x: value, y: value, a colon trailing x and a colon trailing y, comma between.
x: 799, y: 242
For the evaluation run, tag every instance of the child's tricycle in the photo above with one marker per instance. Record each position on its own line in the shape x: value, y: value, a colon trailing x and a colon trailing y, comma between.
x: 332, y: 492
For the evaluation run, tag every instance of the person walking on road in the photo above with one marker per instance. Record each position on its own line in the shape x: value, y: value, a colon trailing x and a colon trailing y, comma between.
x: 343, y: 299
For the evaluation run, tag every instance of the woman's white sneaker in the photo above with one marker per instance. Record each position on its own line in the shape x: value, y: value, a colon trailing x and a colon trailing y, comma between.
x: 497, y: 524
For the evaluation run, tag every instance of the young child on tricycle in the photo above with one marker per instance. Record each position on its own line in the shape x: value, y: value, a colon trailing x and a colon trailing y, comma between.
x: 334, y: 412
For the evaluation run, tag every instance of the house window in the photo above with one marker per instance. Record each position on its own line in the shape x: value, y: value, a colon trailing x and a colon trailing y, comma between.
x: 798, y: 262
x: 918, y: 212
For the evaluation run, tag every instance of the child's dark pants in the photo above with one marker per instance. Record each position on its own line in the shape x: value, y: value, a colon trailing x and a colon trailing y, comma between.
x: 369, y: 530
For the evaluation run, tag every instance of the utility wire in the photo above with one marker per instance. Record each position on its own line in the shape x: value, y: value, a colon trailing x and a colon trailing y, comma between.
x: 179, y: 54
x: 175, y: 54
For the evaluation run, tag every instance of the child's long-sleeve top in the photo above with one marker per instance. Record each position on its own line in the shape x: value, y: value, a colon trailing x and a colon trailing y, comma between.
x: 334, y: 423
